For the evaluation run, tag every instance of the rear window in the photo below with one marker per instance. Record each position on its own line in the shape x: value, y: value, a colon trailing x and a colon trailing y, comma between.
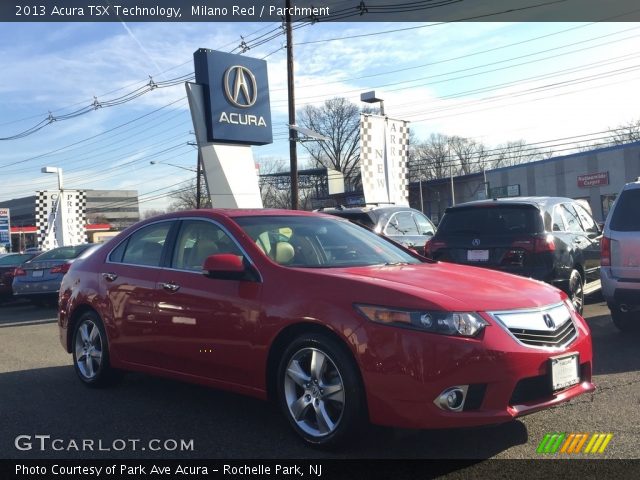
x: 491, y: 220
x: 62, y: 253
x: 11, y: 260
x: 355, y: 217
x: 626, y: 213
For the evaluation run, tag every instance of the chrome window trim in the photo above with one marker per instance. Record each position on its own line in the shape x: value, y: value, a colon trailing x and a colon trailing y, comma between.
x: 494, y: 315
x: 108, y: 257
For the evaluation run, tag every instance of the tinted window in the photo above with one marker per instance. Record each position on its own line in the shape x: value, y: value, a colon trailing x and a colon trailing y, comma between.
x: 401, y: 224
x: 558, y: 221
x: 320, y: 242
x: 491, y: 220
x: 626, y: 213
x: 588, y: 223
x: 425, y: 227
x: 62, y: 253
x: 145, y: 246
x: 356, y: 217
x: 571, y: 218
x: 196, y: 241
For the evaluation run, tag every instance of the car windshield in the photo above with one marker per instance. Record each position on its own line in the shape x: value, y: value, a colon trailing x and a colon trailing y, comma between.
x: 17, y: 259
x: 62, y: 253
x: 491, y: 220
x: 320, y: 242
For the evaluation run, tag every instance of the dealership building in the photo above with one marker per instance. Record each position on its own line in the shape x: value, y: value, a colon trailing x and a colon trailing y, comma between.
x: 106, y: 210
x: 595, y: 176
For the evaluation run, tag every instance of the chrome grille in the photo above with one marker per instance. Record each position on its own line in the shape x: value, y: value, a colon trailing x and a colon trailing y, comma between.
x: 561, y: 337
x: 544, y: 327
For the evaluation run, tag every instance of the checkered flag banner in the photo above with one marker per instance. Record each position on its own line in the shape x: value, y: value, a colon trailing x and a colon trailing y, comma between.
x: 384, y: 144
x: 61, y: 218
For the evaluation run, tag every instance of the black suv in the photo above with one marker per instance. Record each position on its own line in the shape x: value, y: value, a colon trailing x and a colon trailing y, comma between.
x: 404, y: 225
x: 552, y: 239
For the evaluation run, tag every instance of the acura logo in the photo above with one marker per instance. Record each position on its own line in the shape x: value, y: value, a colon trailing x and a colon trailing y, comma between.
x: 240, y: 86
x: 475, y: 242
x: 549, y: 321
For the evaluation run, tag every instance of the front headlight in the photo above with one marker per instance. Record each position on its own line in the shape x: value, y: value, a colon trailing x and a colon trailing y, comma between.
x: 463, y: 324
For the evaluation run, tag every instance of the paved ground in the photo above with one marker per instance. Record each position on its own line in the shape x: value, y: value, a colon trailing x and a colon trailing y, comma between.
x: 39, y: 394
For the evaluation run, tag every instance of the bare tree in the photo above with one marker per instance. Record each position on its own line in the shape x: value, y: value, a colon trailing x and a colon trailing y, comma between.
x: 186, y: 198
x: 339, y: 120
x: 151, y: 213
x: 469, y: 155
x: 625, y: 133
x: 432, y: 158
x: 516, y: 153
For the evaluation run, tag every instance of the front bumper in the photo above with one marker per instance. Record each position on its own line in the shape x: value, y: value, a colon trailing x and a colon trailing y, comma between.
x: 404, y: 371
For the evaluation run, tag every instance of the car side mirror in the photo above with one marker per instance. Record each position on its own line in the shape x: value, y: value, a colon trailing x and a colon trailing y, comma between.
x: 225, y: 266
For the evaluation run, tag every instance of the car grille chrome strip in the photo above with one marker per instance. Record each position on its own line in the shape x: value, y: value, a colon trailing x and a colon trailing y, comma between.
x: 531, y: 328
x: 563, y: 336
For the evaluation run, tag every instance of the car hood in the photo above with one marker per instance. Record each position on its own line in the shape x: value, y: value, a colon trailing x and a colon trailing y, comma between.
x: 458, y: 286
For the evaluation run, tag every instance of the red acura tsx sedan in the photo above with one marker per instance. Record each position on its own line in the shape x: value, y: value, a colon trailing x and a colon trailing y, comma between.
x: 336, y: 324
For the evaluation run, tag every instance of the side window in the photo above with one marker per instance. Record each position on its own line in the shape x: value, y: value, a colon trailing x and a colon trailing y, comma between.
x: 587, y: 221
x: 196, y: 241
x: 144, y: 247
x: 571, y: 218
x: 425, y: 227
x: 557, y: 221
x: 401, y: 223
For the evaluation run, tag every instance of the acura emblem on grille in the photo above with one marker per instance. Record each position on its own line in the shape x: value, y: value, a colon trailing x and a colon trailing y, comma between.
x: 549, y: 321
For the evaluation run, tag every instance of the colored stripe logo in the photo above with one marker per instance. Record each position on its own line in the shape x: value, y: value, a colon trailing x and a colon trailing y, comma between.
x: 572, y: 443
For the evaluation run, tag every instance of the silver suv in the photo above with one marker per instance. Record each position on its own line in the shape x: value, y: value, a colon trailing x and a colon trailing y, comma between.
x: 620, y: 249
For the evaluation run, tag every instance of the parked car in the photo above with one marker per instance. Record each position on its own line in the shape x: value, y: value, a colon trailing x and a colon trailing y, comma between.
x: 39, y: 278
x: 8, y: 263
x: 405, y: 225
x: 552, y: 239
x: 620, y: 272
x: 337, y: 324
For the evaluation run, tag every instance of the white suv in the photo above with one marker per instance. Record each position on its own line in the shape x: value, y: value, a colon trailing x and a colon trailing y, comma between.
x: 620, y: 248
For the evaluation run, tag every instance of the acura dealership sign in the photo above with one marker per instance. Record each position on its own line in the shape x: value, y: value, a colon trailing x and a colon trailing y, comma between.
x: 236, y: 97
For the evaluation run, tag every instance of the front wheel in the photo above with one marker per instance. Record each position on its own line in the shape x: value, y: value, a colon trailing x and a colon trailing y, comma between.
x: 319, y: 390
x: 90, y: 352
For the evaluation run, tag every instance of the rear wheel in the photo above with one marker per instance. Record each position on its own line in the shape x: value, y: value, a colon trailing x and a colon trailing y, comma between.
x: 624, y: 321
x: 319, y: 390
x: 576, y: 290
x: 90, y: 351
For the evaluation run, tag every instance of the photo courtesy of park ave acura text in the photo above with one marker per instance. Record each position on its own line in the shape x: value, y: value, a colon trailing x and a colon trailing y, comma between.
x: 340, y: 239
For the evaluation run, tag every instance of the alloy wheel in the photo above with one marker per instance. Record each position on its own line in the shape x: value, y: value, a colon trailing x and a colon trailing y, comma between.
x: 314, y: 392
x: 576, y: 291
x: 88, y: 349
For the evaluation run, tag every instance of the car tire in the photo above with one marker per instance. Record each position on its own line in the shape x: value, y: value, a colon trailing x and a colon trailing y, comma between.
x: 320, y: 390
x: 624, y: 321
x: 575, y: 290
x: 90, y: 351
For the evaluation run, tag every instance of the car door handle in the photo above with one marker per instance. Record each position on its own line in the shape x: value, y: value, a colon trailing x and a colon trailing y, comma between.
x: 109, y: 276
x: 170, y: 286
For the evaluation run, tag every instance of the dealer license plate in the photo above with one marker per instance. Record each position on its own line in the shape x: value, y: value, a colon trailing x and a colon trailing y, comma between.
x: 37, y: 273
x: 564, y: 371
x: 477, y: 255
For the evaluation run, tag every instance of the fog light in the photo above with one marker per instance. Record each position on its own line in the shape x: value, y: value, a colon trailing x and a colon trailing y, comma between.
x: 452, y: 399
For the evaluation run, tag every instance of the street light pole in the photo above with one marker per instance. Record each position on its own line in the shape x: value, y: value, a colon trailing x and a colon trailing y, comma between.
x: 293, y: 134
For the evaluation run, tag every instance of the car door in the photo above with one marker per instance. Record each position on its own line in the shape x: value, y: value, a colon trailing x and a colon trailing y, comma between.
x: 128, y: 280
x: 206, y: 325
x: 581, y: 245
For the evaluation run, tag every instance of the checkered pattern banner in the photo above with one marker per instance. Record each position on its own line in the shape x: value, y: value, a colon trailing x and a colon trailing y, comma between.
x: 61, y: 219
x: 384, y: 144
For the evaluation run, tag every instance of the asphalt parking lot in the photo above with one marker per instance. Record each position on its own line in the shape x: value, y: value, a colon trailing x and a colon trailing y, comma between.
x: 40, y: 395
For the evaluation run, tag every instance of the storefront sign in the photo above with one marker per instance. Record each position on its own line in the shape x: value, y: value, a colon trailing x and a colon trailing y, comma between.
x: 236, y: 97
x: 593, y: 179
x: 5, y: 229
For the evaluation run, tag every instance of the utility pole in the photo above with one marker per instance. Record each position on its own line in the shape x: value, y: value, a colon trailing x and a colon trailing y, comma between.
x: 293, y: 134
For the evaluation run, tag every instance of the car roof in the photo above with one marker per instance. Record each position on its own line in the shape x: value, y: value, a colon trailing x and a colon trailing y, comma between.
x: 366, y: 209
x: 632, y: 185
x: 540, y: 202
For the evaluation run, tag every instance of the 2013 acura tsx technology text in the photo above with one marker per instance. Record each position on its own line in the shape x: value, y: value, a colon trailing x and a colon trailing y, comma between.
x: 338, y: 325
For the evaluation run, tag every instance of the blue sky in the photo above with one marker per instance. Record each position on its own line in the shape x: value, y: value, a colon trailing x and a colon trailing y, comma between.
x: 494, y: 82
